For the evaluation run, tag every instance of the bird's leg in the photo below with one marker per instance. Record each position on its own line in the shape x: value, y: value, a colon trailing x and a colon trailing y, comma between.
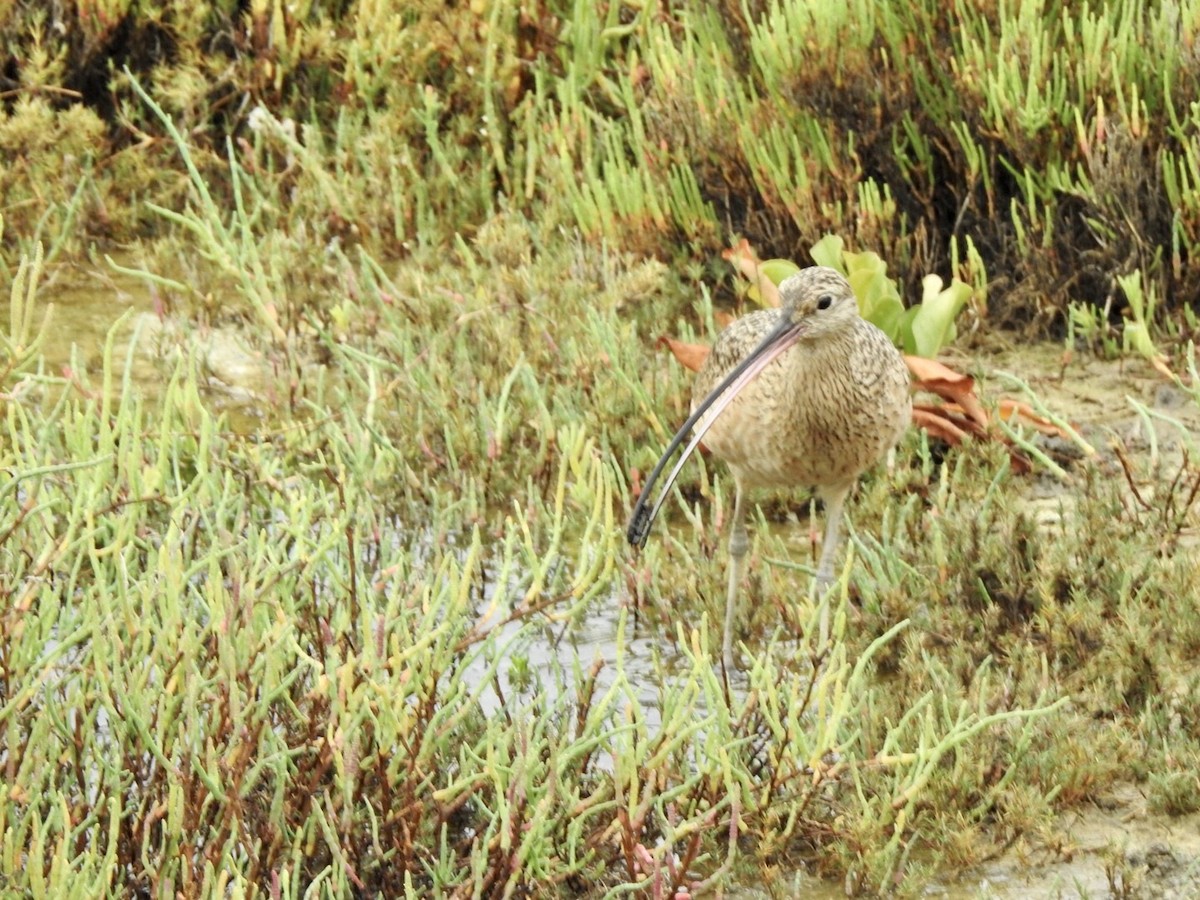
x: 835, y: 500
x: 739, y: 542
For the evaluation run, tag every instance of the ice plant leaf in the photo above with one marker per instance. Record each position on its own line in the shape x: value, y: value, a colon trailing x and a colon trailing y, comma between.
x: 933, y: 323
x: 828, y: 252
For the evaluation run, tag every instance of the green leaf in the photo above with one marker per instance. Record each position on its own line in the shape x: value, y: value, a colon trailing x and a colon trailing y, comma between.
x: 828, y: 252
x: 878, y: 299
x: 1136, y: 336
x: 924, y: 329
x: 904, y: 331
x: 776, y: 270
x: 933, y: 323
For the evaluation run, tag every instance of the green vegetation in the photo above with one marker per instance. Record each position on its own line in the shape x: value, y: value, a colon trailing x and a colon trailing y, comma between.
x: 922, y: 329
x: 333, y: 656
x: 1054, y: 142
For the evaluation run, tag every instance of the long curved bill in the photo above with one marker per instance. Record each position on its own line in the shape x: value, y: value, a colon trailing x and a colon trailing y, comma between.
x: 779, y: 339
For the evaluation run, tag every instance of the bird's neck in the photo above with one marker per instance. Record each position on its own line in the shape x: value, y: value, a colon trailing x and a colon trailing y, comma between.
x: 830, y: 348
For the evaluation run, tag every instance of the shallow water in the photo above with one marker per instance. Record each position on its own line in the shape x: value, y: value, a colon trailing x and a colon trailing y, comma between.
x: 85, y: 309
x: 146, y: 339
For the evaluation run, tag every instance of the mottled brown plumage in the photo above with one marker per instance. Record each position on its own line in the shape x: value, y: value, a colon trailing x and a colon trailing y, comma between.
x: 824, y: 396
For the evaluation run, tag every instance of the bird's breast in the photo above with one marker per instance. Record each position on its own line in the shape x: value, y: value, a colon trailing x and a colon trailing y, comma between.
x: 815, y: 416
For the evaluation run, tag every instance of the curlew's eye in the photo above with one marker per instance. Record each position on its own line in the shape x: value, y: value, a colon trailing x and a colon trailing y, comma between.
x: 825, y: 302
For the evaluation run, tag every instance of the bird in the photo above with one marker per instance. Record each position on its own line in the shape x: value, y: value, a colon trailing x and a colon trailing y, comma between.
x: 809, y: 394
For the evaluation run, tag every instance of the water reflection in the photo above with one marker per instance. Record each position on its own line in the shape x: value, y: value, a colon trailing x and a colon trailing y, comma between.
x: 146, y: 344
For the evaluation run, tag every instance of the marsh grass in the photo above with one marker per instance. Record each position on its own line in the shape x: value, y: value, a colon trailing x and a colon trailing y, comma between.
x: 315, y: 658
x: 1053, y: 146
x: 327, y: 658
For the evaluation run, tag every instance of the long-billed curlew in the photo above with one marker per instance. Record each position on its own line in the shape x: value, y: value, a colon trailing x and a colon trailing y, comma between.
x: 809, y: 394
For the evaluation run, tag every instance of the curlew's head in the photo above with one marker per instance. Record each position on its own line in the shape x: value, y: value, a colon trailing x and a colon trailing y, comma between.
x: 815, y: 303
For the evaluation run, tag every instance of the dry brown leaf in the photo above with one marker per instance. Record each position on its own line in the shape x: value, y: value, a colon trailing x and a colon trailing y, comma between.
x: 691, y: 356
x: 1008, y: 409
x: 957, y: 415
x: 952, y: 428
x: 930, y: 370
x: 743, y: 258
x: 931, y: 419
x: 940, y: 379
x: 926, y: 369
